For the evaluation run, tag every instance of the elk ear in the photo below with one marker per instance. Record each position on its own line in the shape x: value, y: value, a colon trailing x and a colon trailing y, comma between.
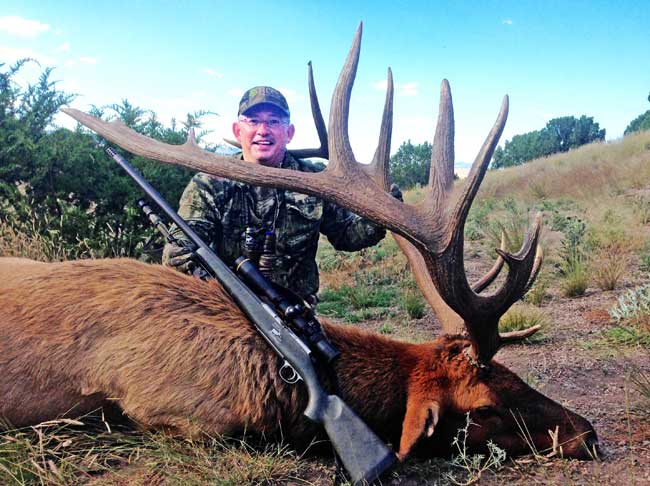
x: 420, y: 420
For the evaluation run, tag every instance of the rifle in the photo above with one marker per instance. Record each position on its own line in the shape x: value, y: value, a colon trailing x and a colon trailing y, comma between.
x: 363, y: 454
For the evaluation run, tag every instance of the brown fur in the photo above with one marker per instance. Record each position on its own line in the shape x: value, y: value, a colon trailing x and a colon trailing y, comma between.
x: 174, y: 352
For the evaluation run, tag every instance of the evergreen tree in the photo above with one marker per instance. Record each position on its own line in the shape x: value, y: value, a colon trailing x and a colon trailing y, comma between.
x: 559, y: 135
x: 410, y: 165
x: 640, y: 123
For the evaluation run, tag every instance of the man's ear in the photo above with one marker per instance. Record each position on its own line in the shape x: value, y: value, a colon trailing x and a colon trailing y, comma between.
x: 291, y: 131
x: 420, y: 420
x: 236, y: 131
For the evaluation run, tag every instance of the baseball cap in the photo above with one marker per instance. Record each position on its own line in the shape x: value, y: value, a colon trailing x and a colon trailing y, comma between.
x: 263, y: 94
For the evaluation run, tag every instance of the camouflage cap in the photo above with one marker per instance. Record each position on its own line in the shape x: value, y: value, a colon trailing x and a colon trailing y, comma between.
x: 263, y: 94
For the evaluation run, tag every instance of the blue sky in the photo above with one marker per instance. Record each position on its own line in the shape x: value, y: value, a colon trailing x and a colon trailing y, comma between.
x: 554, y: 58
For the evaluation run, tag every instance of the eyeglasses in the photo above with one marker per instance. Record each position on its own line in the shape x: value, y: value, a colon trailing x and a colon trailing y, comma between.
x: 270, y: 122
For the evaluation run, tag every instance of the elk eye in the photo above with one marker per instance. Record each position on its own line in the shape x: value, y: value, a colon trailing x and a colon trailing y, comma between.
x: 486, y: 411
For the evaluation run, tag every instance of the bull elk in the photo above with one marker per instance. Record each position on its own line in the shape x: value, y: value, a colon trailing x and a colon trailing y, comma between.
x: 175, y: 352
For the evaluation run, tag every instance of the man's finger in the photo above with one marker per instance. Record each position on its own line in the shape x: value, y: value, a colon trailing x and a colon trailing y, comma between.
x: 178, y: 251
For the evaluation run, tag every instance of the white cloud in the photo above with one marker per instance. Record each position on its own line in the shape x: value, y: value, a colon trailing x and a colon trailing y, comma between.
x: 64, y: 47
x: 407, y: 89
x: 212, y: 72
x: 380, y: 85
x: 88, y: 60
x: 236, y: 92
x: 22, y: 27
x: 506, y: 21
x: 70, y: 62
x: 12, y: 54
x: 401, y: 89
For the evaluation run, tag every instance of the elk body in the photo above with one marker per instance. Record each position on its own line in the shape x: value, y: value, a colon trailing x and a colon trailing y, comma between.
x: 174, y: 352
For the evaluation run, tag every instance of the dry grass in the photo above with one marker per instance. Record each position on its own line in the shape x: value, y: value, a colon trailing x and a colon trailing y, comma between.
x: 66, y: 452
x: 609, y: 265
x: 590, y: 172
x: 16, y: 243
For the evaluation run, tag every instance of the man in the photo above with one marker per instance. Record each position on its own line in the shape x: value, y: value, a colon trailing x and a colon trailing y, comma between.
x: 236, y: 218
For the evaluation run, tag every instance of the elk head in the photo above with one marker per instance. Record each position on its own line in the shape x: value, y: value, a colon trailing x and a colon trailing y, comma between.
x: 447, y: 385
x: 431, y: 234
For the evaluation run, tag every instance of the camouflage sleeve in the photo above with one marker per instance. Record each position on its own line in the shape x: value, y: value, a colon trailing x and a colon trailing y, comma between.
x: 199, y: 207
x: 347, y: 231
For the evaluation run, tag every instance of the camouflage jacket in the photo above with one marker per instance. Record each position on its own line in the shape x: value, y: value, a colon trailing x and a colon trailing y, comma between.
x: 220, y: 210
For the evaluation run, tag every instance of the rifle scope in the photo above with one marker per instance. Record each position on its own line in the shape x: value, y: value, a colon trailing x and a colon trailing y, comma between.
x: 308, y: 326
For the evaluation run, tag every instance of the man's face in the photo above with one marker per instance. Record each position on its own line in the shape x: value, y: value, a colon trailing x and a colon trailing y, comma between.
x: 263, y: 140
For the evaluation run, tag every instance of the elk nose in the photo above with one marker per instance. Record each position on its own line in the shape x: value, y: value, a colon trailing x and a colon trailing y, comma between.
x: 584, y: 448
x: 591, y: 447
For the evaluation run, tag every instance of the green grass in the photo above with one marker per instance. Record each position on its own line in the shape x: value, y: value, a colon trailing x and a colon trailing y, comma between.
x: 413, y: 303
x: 357, y: 303
x: 520, y: 317
x: 629, y: 335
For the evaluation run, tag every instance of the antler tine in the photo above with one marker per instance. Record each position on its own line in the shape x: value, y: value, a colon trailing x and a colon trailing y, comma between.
x: 484, y: 333
x: 378, y: 169
x: 479, y: 167
x: 340, y: 150
x: 480, y: 313
x: 322, y: 151
x: 489, y: 277
x: 441, y: 173
x: 537, y: 266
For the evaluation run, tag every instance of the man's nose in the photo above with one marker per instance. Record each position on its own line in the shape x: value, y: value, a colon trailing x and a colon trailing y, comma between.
x: 262, y: 127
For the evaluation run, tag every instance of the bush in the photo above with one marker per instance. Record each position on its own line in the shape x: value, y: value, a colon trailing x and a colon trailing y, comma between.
x: 633, y: 306
x: 413, y: 303
x: 610, y: 265
x: 512, y: 222
x: 573, y: 260
x: 632, y: 313
x: 538, y: 293
x: 58, y: 184
x: 522, y: 317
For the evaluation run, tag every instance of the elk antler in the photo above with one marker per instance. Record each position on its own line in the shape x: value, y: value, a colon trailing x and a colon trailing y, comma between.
x: 434, y: 227
x: 321, y: 130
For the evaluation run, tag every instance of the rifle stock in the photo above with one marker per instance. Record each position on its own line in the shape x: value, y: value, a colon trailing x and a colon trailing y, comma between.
x: 362, y: 453
x: 347, y: 431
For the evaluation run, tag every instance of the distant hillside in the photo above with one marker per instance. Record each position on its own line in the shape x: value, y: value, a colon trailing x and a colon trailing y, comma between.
x: 590, y: 172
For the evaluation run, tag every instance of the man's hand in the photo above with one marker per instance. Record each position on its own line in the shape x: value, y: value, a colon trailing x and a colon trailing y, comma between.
x: 179, y: 257
x: 395, y: 192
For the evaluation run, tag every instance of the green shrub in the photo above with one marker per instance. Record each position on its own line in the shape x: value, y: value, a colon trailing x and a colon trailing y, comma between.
x: 575, y: 281
x: 386, y: 329
x: 539, y: 291
x: 522, y: 317
x: 511, y: 222
x: 633, y: 306
x: 473, y: 466
x: 632, y: 314
x: 477, y: 219
x: 573, y: 260
x: 413, y: 303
